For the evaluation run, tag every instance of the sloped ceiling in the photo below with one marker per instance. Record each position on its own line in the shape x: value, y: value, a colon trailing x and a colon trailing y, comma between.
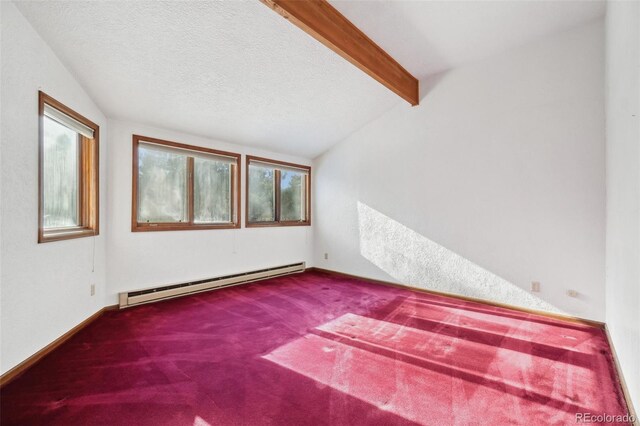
x: 237, y: 71
x: 428, y: 37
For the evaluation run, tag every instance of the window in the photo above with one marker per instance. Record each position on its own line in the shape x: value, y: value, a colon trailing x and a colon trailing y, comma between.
x: 277, y: 193
x: 182, y: 187
x: 68, y: 183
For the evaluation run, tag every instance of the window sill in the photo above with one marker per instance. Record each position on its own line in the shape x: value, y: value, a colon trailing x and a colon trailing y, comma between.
x: 275, y: 224
x: 154, y: 227
x: 66, y: 234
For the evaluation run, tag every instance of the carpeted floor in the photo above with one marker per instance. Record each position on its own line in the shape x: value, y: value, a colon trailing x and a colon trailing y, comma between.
x: 317, y: 349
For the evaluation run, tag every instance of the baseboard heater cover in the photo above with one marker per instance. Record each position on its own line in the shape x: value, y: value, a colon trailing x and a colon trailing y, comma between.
x: 138, y: 297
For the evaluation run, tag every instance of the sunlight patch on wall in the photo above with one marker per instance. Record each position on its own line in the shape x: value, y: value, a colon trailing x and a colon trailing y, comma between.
x: 417, y: 261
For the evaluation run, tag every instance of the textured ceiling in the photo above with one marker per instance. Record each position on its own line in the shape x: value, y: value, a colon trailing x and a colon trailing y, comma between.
x: 239, y: 72
x: 235, y: 71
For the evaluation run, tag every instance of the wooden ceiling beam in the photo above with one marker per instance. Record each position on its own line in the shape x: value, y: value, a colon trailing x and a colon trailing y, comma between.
x: 323, y: 22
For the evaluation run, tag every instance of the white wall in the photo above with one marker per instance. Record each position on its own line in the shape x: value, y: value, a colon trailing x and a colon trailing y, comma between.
x: 143, y: 259
x: 1, y: 191
x: 500, y: 169
x: 45, y: 287
x: 623, y: 187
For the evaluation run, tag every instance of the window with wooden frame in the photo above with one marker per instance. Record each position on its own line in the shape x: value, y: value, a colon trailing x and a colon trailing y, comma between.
x: 278, y: 193
x: 68, y: 172
x: 183, y: 187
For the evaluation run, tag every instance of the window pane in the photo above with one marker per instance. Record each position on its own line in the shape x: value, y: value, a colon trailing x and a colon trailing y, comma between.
x: 261, y: 194
x: 60, y: 176
x: 292, y: 196
x: 162, y: 186
x: 211, y: 191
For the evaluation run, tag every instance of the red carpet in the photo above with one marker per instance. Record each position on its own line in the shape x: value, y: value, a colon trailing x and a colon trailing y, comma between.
x: 316, y: 349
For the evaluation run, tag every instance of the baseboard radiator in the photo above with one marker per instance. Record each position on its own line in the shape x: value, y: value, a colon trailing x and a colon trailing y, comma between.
x: 138, y: 297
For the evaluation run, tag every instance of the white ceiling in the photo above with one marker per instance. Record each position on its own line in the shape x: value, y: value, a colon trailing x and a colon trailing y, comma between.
x: 428, y: 37
x: 237, y: 71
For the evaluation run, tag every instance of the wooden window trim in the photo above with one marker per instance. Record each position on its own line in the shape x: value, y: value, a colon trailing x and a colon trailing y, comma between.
x: 190, y: 225
x: 89, y: 179
x: 277, y: 222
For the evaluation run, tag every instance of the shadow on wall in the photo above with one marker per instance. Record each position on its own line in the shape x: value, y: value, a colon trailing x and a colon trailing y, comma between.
x: 427, y: 85
x: 415, y: 260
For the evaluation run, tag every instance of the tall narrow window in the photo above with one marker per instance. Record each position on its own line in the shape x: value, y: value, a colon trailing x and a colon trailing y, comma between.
x: 68, y: 186
x: 182, y: 187
x: 277, y: 193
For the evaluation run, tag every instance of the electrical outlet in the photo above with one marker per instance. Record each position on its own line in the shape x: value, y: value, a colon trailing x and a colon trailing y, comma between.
x: 326, y: 256
x: 93, y: 289
x: 535, y: 286
x: 572, y: 293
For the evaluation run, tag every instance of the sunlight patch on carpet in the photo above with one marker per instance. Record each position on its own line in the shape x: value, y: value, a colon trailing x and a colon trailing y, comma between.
x: 411, y: 372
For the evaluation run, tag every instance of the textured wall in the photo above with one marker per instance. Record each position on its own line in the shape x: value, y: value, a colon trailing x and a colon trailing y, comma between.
x: 143, y: 259
x: 623, y: 187
x: 45, y: 287
x: 494, y: 181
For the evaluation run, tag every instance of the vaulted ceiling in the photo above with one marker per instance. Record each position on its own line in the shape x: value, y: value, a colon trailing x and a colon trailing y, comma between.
x: 237, y: 71
x: 428, y: 37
